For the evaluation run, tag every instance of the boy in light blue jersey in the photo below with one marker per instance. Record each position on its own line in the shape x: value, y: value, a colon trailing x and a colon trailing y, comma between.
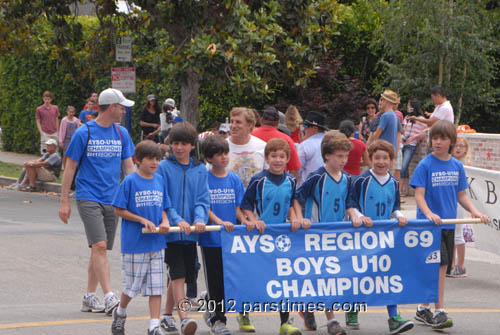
x: 187, y: 188
x: 141, y: 201
x: 270, y: 194
x: 440, y: 183
x: 226, y: 194
x: 375, y: 196
x: 323, y: 196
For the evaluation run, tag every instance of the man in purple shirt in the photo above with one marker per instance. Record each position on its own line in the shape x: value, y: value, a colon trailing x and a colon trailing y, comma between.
x: 47, y: 120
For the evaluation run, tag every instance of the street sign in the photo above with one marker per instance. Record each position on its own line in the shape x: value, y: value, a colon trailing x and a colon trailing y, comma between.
x: 123, y: 49
x: 123, y: 79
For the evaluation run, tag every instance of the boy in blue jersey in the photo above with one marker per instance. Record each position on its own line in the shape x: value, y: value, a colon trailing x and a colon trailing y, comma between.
x: 375, y: 196
x: 187, y: 188
x: 226, y: 193
x: 271, y: 193
x: 323, y: 196
x: 440, y: 183
x: 141, y: 201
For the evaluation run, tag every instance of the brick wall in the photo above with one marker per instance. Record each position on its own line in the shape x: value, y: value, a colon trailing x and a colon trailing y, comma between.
x: 484, y: 152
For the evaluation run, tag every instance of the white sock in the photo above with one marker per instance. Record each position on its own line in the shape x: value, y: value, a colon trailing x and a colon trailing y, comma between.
x: 153, y: 323
x: 109, y: 295
x: 437, y: 311
x: 121, y: 311
x: 422, y: 307
x: 90, y: 294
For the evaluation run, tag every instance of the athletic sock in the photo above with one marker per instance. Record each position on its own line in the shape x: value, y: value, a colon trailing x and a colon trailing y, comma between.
x: 121, y: 311
x: 284, y: 316
x: 153, y: 323
x: 437, y: 311
x: 422, y: 307
x: 108, y: 295
x: 90, y: 294
x: 392, y: 310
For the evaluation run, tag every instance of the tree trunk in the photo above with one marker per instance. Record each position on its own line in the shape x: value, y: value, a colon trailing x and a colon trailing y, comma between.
x: 441, y: 51
x: 190, y: 104
x: 464, y: 77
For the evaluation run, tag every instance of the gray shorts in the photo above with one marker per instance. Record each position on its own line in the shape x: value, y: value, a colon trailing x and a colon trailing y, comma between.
x: 99, y: 221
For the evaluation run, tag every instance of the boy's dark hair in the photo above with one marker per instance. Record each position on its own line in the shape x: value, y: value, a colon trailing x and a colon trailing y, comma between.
x: 438, y: 90
x: 347, y: 128
x: 332, y: 141
x: 213, y: 145
x: 445, y: 129
x: 382, y: 145
x: 370, y: 101
x: 276, y: 144
x: 183, y: 132
x: 147, y: 148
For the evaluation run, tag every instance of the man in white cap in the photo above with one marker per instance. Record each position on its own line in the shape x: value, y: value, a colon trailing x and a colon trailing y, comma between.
x: 45, y: 169
x: 100, y: 149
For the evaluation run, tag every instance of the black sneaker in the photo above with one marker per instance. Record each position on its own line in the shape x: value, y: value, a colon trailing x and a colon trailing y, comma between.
x: 397, y: 325
x: 425, y: 316
x: 167, y: 323
x: 442, y: 321
x: 309, y: 320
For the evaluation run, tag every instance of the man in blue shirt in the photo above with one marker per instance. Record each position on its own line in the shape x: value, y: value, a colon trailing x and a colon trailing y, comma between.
x: 100, y: 148
x: 388, y: 125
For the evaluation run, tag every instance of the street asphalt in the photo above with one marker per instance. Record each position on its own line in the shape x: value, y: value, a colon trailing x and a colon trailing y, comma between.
x: 44, y: 273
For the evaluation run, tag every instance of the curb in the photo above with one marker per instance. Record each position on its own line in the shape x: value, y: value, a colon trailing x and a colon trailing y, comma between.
x: 47, y: 187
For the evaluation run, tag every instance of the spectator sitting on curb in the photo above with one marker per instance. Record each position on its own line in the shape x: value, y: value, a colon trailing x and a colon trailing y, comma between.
x: 44, y: 169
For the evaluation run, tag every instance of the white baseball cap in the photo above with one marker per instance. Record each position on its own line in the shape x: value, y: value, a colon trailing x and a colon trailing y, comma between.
x: 113, y: 96
x: 51, y: 141
x: 170, y: 102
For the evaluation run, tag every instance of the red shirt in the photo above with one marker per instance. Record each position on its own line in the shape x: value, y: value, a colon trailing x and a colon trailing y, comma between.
x: 353, y: 165
x: 48, y: 117
x: 266, y: 133
x: 295, y: 135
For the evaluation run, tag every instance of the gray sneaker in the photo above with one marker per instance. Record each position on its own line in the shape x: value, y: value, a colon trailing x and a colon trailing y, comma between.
x: 156, y: 331
x: 111, y: 304
x: 188, y: 327
x: 92, y: 304
x: 167, y: 323
x: 219, y: 328
x: 118, y: 325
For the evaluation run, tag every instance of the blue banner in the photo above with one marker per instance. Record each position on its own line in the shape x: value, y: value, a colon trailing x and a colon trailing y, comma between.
x: 329, y: 265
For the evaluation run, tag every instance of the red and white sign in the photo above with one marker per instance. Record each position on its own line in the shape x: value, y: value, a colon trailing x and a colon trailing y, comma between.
x: 123, y: 79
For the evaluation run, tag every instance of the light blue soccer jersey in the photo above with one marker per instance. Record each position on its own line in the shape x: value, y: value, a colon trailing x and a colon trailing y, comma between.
x: 323, y: 198
x: 373, y: 199
x: 271, y: 196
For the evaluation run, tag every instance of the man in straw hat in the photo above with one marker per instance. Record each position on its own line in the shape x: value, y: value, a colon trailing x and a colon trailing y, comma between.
x: 388, y: 125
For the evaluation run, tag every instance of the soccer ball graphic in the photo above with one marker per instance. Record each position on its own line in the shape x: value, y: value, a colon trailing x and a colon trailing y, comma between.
x: 283, y: 243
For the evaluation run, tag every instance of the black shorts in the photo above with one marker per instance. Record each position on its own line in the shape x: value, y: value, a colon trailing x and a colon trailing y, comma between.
x: 447, y: 245
x: 181, y: 260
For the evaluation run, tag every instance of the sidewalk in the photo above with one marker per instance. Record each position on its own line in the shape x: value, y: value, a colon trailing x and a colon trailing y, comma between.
x: 19, y: 159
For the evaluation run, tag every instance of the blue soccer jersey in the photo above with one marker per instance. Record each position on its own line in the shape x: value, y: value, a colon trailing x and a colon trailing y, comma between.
x: 376, y: 201
x: 271, y: 196
x: 322, y: 197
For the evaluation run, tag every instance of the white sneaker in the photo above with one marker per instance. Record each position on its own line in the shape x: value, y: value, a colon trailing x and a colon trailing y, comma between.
x: 111, y: 303
x: 188, y: 327
x: 219, y: 328
x: 91, y: 303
